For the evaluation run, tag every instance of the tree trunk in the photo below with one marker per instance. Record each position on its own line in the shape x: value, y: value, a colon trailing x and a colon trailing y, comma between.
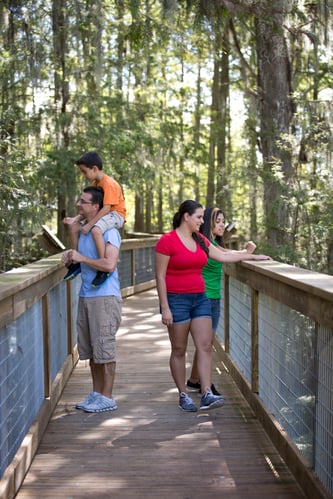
x: 223, y: 194
x: 275, y: 114
x: 196, y: 137
x: 61, y: 98
x: 139, y: 215
x: 210, y: 196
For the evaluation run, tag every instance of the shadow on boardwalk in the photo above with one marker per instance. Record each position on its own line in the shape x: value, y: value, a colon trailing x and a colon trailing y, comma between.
x: 149, y: 448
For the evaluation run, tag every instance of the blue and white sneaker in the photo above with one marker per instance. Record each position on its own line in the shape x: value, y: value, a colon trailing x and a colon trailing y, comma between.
x: 101, y: 404
x: 91, y: 397
x: 210, y: 401
x: 73, y: 270
x: 186, y: 403
x: 100, y: 278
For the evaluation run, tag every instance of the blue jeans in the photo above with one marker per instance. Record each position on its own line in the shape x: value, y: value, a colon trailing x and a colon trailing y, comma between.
x: 216, y: 309
x: 187, y: 306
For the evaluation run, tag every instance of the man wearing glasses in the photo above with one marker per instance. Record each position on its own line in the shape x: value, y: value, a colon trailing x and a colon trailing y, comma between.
x: 112, y: 214
x: 99, y: 309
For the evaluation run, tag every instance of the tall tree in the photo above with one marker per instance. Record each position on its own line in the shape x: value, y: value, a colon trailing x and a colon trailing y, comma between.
x: 276, y: 111
x: 137, y: 81
x: 61, y: 99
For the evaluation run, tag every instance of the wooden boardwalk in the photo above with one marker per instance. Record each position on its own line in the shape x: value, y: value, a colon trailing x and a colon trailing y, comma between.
x: 149, y: 448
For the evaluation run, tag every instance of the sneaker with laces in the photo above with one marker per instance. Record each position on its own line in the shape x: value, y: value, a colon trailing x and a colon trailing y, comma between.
x: 73, y: 270
x: 196, y: 387
x: 210, y: 401
x: 186, y: 403
x: 100, y: 278
x: 101, y: 404
x: 91, y: 397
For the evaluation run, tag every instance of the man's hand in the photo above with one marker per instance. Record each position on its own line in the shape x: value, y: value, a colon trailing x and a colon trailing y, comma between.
x: 71, y: 256
x: 66, y: 257
x: 76, y: 256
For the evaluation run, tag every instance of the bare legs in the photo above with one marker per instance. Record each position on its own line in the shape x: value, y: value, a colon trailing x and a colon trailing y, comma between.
x: 194, y: 376
x: 103, y: 377
x: 201, y: 331
x: 99, y: 241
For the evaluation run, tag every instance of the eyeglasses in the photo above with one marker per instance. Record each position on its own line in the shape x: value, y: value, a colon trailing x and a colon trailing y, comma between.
x: 82, y: 201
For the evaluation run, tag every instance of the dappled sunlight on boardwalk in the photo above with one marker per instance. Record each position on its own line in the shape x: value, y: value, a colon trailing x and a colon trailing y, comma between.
x: 148, y: 448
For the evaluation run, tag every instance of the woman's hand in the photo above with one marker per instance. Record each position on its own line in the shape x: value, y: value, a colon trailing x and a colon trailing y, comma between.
x: 167, y: 318
x: 250, y: 246
x: 261, y: 257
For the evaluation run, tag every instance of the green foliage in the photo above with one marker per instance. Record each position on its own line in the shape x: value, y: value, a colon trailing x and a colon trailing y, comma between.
x: 21, y: 214
x: 135, y: 84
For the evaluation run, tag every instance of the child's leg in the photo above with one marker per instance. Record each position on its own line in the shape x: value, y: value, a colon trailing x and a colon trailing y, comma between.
x: 98, y: 240
x: 74, y: 235
x: 110, y: 221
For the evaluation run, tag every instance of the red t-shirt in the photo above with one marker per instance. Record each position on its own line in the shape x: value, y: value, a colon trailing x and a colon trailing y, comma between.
x: 183, y: 274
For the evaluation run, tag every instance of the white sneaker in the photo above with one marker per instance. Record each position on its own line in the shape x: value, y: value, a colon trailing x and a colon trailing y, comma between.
x: 101, y: 404
x: 88, y: 400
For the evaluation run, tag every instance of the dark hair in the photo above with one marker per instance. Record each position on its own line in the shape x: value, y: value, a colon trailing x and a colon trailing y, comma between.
x: 210, y: 216
x: 97, y: 194
x: 189, y: 206
x: 90, y: 159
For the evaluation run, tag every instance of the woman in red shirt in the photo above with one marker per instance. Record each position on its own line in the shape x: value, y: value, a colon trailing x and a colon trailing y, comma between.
x: 180, y: 256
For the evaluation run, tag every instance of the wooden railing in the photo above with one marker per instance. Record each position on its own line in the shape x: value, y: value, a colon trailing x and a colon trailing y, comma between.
x: 38, y: 348
x: 275, y: 336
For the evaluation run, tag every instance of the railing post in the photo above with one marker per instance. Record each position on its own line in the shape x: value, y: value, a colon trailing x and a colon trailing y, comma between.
x: 254, y: 341
x: 46, y: 341
x: 226, y: 314
x: 133, y: 266
x: 70, y: 345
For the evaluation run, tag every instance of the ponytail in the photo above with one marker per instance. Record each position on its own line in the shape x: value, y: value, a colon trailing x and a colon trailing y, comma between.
x: 177, y: 218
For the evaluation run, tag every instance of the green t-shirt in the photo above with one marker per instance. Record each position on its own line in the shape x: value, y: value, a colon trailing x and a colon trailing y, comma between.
x: 212, y: 274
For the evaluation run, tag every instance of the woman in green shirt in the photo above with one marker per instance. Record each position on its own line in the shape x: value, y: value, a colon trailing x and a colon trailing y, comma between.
x: 213, y: 228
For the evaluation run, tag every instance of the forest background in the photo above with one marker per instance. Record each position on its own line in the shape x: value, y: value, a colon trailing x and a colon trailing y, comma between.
x: 226, y: 102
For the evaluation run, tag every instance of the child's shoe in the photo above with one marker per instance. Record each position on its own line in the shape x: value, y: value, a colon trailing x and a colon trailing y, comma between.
x: 73, y: 270
x: 100, y: 278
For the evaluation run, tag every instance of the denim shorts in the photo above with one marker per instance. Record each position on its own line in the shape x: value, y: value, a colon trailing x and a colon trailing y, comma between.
x: 215, y: 304
x: 187, y: 306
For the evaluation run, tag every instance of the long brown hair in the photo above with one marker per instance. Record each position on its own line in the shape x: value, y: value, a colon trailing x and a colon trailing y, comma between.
x: 210, y: 217
x: 189, y: 206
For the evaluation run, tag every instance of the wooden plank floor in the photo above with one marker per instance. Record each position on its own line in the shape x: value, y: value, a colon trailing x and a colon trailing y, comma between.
x: 149, y: 448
